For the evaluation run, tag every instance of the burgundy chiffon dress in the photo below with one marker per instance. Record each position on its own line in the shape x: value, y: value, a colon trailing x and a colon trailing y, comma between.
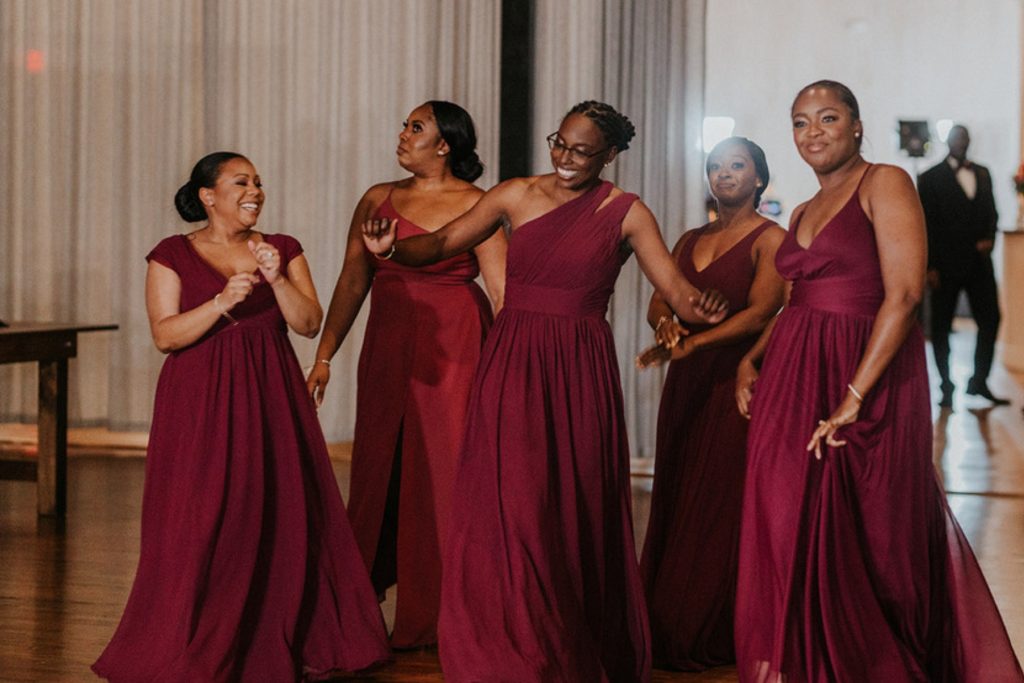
x: 248, y: 569
x: 852, y: 567
x: 422, y: 344
x: 690, y: 552
x: 541, y: 581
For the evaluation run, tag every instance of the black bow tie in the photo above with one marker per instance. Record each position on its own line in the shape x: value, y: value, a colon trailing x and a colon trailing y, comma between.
x: 965, y: 164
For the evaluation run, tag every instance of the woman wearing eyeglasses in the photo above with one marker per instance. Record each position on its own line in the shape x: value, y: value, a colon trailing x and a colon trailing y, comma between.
x: 541, y: 581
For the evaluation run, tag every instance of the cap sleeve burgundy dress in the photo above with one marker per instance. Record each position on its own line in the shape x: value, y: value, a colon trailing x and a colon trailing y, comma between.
x: 248, y: 569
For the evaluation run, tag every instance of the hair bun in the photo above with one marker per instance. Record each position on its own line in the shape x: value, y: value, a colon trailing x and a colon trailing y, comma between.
x: 186, y: 201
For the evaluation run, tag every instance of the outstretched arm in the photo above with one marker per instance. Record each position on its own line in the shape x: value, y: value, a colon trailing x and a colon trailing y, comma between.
x: 641, y: 230
x: 895, y: 211
x: 458, y: 236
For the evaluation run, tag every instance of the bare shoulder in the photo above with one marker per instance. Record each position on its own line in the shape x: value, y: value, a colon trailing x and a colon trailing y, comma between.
x: 885, y: 175
x: 797, y: 212
x: 771, y: 238
x: 887, y: 187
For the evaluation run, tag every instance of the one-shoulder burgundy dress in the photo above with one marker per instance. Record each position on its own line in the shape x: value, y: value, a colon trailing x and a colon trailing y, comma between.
x: 541, y: 581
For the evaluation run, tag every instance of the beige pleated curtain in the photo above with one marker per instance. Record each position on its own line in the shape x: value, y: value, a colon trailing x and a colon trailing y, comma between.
x: 106, y: 104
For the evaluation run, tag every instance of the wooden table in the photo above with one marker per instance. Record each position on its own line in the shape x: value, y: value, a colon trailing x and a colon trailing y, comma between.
x: 51, y: 345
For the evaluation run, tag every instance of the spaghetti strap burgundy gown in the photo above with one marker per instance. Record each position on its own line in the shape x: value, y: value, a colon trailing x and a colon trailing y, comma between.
x: 540, y: 580
x: 248, y: 569
x: 852, y: 567
x: 691, y: 549
x: 422, y: 344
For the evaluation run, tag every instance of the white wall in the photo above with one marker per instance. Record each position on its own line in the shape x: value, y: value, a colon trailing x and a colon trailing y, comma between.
x: 907, y: 59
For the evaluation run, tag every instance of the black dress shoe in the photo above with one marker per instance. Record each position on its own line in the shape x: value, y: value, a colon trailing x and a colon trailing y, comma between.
x: 947, y: 396
x: 981, y: 389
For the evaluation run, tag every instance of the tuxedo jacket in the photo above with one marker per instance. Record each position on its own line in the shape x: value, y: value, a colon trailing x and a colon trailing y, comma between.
x: 955, y: 223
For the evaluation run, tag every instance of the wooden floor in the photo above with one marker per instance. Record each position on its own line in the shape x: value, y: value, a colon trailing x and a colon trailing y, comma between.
x: 63, y: 585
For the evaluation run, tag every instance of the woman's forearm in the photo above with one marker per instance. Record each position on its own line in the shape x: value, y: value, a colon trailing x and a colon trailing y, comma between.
x: 894, y: 321
x: 302, y: 313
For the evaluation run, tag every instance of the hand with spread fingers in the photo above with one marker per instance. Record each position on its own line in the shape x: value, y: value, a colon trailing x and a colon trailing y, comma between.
x: 379, y: 236
x: 845, y: 414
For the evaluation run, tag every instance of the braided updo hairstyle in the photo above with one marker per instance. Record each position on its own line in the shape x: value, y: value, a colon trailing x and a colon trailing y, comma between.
x: 456, y: 126
x: 204, y: 174
x: 616, y: 128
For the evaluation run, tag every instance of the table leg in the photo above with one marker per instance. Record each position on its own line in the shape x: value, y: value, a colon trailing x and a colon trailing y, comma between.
x: 52, y: 472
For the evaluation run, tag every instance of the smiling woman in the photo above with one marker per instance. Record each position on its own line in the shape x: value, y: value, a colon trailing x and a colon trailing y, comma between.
x: 243, y: 527
x: 852, y: 567
x: 542, y: 523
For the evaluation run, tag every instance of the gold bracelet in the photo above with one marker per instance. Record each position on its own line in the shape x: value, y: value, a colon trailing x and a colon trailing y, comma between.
x: 224, y: 313
x: 856, y: 394
x: 661, y: 321
x: 394, y: 247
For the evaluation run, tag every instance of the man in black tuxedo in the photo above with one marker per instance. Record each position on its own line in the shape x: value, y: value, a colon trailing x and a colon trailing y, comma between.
x: 960, y: 213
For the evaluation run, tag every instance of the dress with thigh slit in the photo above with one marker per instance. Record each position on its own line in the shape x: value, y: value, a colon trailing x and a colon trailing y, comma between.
x: 422, y: 343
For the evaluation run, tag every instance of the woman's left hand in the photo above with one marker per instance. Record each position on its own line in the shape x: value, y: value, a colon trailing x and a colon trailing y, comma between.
x: 268, y: 258
x: 845, y: 414
x: 658, y: 354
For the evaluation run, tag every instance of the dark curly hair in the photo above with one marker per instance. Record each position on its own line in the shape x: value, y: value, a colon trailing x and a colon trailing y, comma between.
x: 616, y: 128
x: 204, y: 174
x: 756, y: 154
x: 456, y: 126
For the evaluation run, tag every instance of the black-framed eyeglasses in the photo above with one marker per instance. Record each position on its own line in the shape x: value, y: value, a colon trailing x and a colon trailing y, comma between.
x: 556, y: 145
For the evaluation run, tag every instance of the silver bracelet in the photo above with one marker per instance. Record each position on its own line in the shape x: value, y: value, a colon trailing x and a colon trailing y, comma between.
x: 324, y: 361
x: 856, y: 394
x: 394, y: 246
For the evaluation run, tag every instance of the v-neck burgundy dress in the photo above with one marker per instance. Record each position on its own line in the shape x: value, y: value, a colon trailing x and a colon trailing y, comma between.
x: 422, y: 343
x: 541, y: 581
x: 690, y: 552
x: 852, y: 567
x: 248, y: 569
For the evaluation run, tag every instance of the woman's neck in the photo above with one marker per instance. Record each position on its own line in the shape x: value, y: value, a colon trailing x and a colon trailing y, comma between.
x: 216, y: 233
x: 842, y: 173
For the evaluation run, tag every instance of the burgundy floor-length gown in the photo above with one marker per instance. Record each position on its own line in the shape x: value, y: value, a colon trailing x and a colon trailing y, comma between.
x: 248, y: 569
x: 852, y: 567
x: 541, y: 581
x: 690, y: 552
x: 422, y: 344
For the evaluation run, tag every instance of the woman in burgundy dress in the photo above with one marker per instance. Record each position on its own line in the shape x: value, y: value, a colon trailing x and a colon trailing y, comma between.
x: 540, y: 577
x: 248, y: 569
x: 852, y: 567
x: 420, y: 349
x: 690, y: 552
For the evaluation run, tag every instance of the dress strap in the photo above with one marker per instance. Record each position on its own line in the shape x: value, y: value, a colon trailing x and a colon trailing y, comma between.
x: 863, y: 176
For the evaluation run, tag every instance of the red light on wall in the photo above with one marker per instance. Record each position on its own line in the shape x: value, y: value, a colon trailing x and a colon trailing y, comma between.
x: 35, y: 61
